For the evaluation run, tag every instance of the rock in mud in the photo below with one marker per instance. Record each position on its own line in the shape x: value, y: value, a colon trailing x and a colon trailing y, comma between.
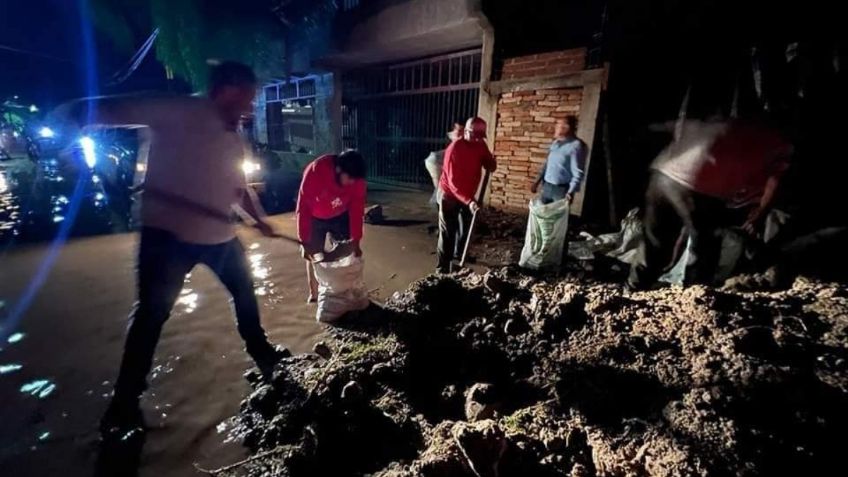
x: 323, y: 350
x: 481, y: 402
x: 483, y: 444
x: 351, y: 392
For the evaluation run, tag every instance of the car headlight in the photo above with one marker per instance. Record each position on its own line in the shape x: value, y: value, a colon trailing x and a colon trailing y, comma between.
x: 250, y: 167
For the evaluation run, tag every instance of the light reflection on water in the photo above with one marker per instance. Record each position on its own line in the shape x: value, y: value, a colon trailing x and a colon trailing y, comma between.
x: 40, y: 388
x: 15, y: 337
x: 261, y: 272
x: 9, y: 368
x: 188, y: 300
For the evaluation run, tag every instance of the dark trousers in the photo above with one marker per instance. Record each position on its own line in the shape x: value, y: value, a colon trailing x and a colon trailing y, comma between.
x: 671, y: 208
x: 552, y: 193
x: 163, y: 262
x: 454, y: 223
x: 338, y: 228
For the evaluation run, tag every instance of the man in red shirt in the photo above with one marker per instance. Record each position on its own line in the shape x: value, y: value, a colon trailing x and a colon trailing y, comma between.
x: 331, y: 201
x: 710, y: 168
x: 460, y: 179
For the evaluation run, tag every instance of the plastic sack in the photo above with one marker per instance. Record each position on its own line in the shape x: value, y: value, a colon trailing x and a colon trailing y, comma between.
x: 433, y: 164
x: 544, y: 242
x: 341, y: 288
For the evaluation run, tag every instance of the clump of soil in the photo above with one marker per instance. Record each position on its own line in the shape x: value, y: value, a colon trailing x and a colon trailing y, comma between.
x: 503, y: 374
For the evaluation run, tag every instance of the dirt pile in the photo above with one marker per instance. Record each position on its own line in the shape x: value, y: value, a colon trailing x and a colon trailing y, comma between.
x: 507, y: 375
x: 498, y: 237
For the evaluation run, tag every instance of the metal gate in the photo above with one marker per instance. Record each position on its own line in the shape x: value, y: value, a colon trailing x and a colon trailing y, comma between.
x: 396, y: 115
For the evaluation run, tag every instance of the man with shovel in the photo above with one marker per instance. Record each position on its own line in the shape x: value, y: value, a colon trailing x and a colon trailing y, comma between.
x: 464, y: 160
x: 193, y: 181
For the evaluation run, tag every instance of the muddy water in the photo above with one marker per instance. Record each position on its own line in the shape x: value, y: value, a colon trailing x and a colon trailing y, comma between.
x: 59, y: 367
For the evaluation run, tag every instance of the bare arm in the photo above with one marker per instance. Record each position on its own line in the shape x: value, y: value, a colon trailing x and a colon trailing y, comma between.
x: 766, y: 202
x: 119, y: 111
x: 250, y: 204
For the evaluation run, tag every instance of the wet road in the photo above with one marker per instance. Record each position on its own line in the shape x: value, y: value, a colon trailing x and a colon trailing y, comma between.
x: 57, y: 366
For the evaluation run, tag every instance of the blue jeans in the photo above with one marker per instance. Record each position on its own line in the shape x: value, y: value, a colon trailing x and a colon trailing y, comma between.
x: 163, y: 262
x: 553, y: 193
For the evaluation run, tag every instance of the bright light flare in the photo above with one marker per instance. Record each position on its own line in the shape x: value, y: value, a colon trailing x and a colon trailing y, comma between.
x: 46, y: 132
x: 250, y: 167
x: 88, y: 146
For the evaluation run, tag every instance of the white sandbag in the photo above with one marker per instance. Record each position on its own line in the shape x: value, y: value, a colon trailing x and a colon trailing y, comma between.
x: 544, y: 242
x: 341, y: 288
x: 433, y: 164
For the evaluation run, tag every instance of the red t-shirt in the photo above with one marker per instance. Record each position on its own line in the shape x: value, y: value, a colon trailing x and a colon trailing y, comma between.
x: 732, y: 163
x: 461, y: 171
x: 322, y: 197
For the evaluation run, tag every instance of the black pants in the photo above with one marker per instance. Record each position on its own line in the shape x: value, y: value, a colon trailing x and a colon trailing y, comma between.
x: 671, y: 208
x: 163, y: 262
x: 338, y: 228
x: 454, y: 223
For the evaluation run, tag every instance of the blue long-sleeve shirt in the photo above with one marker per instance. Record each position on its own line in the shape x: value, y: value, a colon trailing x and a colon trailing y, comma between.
x: 566, y: 164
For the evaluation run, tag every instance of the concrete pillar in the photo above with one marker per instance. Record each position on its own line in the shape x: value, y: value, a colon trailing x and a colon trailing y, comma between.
x: 487, y: 103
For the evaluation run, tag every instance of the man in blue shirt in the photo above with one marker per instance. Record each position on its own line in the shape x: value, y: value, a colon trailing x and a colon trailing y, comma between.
x: 563, y: 171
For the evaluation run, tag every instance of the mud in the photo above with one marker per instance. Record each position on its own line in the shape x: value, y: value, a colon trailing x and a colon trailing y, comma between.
x: 504, y: 374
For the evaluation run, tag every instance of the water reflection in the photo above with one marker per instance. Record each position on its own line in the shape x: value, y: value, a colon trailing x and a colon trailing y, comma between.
x: 188, y: 300
x: 261, y: 272
x: 41, y: 388
x: 15, y: 337
x: 9, y: 368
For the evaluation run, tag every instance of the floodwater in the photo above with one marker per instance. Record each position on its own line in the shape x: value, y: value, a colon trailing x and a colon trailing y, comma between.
x: 58, y: 365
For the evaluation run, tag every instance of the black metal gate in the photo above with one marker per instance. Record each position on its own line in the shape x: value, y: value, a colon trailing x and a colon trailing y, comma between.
x: 396, y: 115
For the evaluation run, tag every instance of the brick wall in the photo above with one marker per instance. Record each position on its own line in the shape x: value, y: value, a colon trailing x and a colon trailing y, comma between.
x: 544, y: 64
x: 525, y: 129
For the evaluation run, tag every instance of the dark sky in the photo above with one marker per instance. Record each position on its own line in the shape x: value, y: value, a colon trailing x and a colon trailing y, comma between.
x: 54, y: 28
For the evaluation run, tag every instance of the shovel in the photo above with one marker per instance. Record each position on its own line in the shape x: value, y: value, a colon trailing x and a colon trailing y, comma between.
x: 474, y: 219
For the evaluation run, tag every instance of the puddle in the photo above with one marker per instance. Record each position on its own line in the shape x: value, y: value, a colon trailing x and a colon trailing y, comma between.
x: 40, y: 388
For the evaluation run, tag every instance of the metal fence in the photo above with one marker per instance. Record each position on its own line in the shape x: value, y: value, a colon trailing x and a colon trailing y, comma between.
x: 290, y: 115
x: 397, y: 115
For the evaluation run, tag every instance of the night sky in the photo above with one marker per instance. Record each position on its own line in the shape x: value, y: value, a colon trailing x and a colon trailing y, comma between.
x: 54, y: 28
